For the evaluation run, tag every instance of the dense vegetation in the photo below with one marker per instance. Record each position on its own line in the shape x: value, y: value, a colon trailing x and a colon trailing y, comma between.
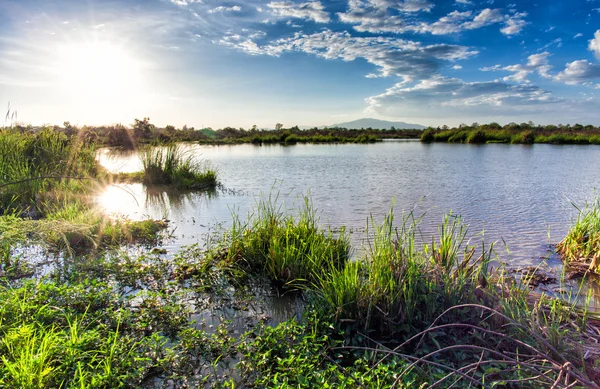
x: 400, y: 315
x: 81, y: 312
x: 581, y: 247
x: 48, y: 184
x: 524, y: 133
x: 144, y: 132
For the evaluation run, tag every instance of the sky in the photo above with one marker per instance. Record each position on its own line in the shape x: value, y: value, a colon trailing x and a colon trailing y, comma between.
x: 213, y: 63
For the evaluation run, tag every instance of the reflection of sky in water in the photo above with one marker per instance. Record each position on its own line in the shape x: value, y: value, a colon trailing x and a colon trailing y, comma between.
x: 518, y: 195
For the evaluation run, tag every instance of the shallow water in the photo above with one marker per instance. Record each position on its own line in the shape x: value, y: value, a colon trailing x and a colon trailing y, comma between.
x: 519, y: 196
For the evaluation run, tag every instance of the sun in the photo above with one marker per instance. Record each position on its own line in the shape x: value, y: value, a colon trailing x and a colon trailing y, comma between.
x: 97, y: 71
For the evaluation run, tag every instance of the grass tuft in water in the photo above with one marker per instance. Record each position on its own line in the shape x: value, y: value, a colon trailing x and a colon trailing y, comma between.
x: 399, y: 289
x: 171, y: 165
x: 580, y: 249
x: 291, y: 251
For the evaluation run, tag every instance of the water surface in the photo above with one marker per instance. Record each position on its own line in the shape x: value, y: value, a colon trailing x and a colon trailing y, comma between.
x: 519, y: 196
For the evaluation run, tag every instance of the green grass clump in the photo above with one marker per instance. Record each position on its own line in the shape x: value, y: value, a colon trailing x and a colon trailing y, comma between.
x: 397, y: 288
x: 33, y: 165
x: 581, y: 246
x: 171, y: 165
x: 290, y: 251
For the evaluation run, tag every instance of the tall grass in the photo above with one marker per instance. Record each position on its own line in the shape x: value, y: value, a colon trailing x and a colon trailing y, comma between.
x: 290, y: 251
x: 397, y: 288
x: 581, y: 247
x: 33, y: 166
x: 173, y: 165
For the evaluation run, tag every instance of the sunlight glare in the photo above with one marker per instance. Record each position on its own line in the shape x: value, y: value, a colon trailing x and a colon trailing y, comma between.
x: 98, y: 71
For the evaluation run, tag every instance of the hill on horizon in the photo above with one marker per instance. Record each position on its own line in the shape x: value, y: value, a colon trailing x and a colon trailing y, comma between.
x: 376, y: 123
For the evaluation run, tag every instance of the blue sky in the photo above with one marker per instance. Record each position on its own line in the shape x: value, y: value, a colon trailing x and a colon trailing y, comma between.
x: 239, y: 63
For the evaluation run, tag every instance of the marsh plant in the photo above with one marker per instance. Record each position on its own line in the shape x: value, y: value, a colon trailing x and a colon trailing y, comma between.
x: 399, y: 286
x: 172, y: 165
x: 581, y: 247
x: 36, y: 168
x: 292, y: 251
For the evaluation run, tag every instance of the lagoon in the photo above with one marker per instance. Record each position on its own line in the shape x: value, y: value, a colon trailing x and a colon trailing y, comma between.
x: 519, y: 196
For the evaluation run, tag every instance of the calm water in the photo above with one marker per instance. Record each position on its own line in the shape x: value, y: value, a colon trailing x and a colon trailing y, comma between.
x: 519, y: 196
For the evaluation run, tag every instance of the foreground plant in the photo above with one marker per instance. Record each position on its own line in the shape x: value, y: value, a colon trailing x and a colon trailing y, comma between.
x: 291, y: 251
x: 580, y: 249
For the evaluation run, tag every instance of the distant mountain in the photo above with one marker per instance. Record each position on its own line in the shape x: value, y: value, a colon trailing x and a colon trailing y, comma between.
x: 376, y: 123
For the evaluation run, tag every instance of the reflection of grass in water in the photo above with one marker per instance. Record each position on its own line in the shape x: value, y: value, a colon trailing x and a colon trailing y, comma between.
x: 169, y: 198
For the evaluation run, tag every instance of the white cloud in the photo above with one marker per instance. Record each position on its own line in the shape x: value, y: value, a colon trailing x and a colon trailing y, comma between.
x: 579, y: 72
x: 451, y: 97
x: 557, y: 42
x: 378, y: 19
x: 186, y: 2
x: 514, y: 24
x: 392, y: 57
x: 536, y: 63
x: 594, y: 44
x: 219, y: 9
x: 312, y: 10
x: 578, y: 35
x: 463, y: 2
x: 382, y: 15
x: 456, y: 67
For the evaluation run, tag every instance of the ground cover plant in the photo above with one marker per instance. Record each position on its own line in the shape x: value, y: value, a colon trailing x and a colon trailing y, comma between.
x: 432, y: 311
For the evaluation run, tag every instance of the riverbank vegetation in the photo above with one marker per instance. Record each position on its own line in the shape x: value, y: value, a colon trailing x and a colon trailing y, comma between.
x: 143, y: 132
x: 171, y: 165
x: 49, y: 181
x: 524, y: 133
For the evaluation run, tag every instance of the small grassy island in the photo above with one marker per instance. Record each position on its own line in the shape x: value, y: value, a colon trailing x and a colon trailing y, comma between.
x: 84, y: 310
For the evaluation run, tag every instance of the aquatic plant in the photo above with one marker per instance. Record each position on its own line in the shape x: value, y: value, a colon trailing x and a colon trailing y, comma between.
x: 580, y: 249
x: 35, y: 164
x: 291, y: 251
x: 172, y: 165
x: 396, y: 288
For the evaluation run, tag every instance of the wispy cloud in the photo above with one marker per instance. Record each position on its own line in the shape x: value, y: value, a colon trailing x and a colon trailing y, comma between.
x: 449, y: 97
x: 379, y: 19
x: 235, y: 8
x: 186, y: 2
x: 515, y: 24
x: 312, y: 10
x: 393, y: 57
x: 536, y: 63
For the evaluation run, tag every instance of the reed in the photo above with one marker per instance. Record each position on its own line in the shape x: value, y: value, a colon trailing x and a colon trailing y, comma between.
x: 290, y: 251
x: 172, y: 165
x: 33, y: 164
x: 581, y: 247
x: 397, y: 288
